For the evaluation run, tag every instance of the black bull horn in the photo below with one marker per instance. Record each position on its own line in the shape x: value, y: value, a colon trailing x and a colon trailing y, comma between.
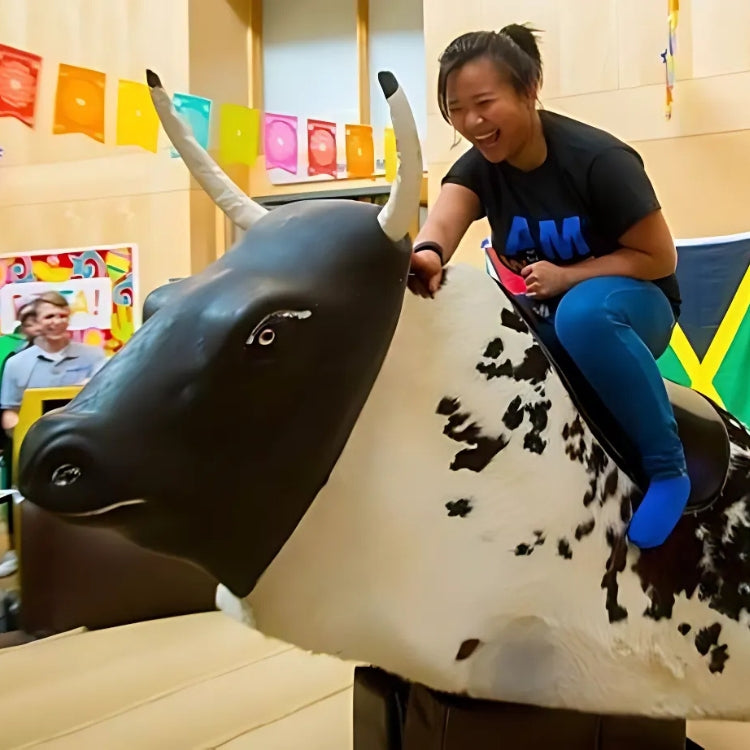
x: 394, y: 217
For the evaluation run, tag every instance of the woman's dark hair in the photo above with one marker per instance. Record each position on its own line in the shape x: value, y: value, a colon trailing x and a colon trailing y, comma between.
x: 513, y: 50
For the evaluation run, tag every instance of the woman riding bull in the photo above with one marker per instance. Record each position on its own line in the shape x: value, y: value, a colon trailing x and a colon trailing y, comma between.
x: 572, y: 209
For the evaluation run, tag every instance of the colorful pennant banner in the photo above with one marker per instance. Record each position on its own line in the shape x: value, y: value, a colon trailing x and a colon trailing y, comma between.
x: 19, y: 80
x: 280, y: 141
x: 391, y: 156
x: 239, y: 134
x: 137, y: 121
x: 321, y: 148
x: 79, y: 103
x: 79, y: 108
x: 196, y: 112
x: 360, y: 152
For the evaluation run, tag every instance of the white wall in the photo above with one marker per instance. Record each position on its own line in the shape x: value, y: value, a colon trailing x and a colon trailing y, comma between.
x: 397, y: 44
x: 310, y: 59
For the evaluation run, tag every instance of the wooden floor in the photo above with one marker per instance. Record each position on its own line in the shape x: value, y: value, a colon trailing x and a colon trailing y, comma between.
x: 201, y: 681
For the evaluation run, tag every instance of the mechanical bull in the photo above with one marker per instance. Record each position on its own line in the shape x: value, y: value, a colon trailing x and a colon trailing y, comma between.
x: 422, y: 485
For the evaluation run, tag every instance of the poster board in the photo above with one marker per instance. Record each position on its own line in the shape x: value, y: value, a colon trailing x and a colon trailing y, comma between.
x: 99, y: 282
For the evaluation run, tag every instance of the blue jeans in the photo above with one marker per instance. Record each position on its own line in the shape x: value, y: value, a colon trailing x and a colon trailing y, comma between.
x: 614, y: 329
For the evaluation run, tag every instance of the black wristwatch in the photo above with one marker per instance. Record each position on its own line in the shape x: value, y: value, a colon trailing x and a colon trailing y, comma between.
x: 434, y: 246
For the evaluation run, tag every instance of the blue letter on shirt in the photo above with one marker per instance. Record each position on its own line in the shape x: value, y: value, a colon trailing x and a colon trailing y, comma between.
x: 519, y: 237
x: 560, y: 246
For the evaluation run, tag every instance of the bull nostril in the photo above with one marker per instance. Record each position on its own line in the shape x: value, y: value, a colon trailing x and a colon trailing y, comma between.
x: 65, y: 475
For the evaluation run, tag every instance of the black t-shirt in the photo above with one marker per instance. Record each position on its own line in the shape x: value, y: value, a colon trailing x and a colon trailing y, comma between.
x: 588, y: 192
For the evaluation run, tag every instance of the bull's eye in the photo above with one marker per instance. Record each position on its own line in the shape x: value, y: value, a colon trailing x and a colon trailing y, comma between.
x: 266, y: 336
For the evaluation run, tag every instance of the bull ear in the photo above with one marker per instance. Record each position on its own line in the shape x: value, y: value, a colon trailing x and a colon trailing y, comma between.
x: 160, y: 297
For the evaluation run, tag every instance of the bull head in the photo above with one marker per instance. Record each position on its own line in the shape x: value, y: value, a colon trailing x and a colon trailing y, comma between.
x: 210, y: 434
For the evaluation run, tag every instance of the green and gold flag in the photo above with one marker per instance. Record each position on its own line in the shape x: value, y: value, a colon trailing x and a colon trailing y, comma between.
x: 710, y: 347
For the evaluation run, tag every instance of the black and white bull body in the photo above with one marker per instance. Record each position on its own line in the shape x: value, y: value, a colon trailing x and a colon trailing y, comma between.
x: 399, y: 481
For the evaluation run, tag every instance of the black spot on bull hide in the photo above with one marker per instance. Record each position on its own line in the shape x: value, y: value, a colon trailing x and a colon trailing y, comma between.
x: 597, y: 461
x: 525, y: 549
x: 707, y: 637
x: 485, y: 447
x: 573, y: 429
x: 719, y: 657
x: 707, y: 640
x: 467, y: 648
x: 460, y: 508
x: 588, y: 498
x: 513, y: 414
x: 533, y: 369
x: 538, y: 416
x: 573, y: 435
x: 513, y: 320
x: 494, y: 349
x: 615, y: 565
x: 563, y: 549
x: 533, y: 440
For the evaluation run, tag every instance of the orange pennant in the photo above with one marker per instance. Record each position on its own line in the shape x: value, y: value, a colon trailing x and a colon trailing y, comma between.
x: 360, y: 152
x: 79, y: 103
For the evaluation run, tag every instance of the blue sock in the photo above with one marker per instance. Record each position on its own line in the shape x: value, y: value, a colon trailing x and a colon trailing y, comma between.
x: 658, y: 514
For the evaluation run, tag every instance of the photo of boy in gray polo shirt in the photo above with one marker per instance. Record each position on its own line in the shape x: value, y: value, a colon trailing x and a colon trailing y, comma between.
x: 53, y: 360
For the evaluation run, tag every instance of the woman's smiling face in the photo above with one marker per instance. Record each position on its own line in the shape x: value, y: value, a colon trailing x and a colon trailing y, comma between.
x: 487, y: 111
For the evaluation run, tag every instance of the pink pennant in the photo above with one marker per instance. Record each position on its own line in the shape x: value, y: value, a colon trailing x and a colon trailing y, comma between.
x: 280, y: 142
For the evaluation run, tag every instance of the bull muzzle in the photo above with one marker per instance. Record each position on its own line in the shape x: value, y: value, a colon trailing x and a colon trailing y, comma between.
x: 63, y: 468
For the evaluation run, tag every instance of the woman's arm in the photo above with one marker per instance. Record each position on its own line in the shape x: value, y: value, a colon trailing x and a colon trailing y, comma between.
x: 647, y: 253
x: 454, y: 211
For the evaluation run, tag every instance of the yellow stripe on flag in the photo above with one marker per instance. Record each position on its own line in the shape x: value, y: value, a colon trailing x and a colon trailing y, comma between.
x: 702, y: 373
x: 693, y: 368
x: 728, y: 328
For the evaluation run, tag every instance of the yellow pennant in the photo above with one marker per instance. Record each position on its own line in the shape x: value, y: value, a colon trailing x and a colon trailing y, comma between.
x: 239, y: 134
x: 137, y: 121
x: 391, y: 157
